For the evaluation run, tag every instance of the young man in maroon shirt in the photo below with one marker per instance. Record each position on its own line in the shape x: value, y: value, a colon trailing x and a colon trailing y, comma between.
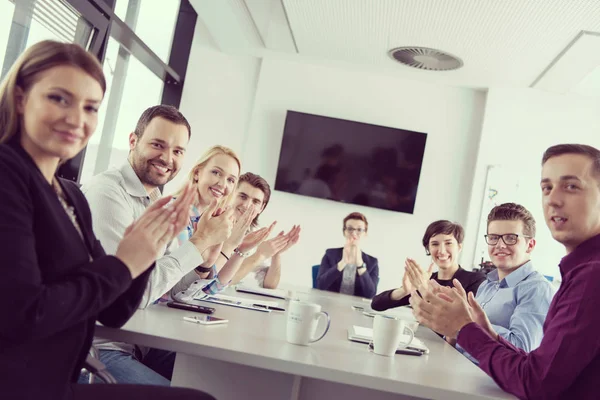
x: 567, y: 363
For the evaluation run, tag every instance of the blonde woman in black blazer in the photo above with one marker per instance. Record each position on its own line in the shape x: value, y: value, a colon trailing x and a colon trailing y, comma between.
x: 56, y: 279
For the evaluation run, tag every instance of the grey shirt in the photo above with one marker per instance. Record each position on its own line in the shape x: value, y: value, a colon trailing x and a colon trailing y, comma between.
x: 348, y: 279
x: 117, y: 197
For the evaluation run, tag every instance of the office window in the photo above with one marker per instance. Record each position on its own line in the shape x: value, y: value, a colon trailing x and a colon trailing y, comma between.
x: 152, y: 23
x: 56, y: 20
x: 7, y: 10
x: 131, y: 88
x: 134, y: 58
x: 27, y: 22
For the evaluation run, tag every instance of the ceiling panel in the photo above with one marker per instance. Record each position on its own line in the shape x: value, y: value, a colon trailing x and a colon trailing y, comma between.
x: 502, y: 42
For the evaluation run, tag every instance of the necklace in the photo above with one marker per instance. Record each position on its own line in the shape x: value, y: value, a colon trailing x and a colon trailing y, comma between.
x: 70, y: 210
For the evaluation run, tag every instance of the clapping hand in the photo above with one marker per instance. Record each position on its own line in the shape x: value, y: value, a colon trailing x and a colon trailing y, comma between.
x: 459, y: 301
x: 477, y: 313
x: 352, y: 253
x: 415, y: 275
x: 269, y: 248
x: 445, y: 315
x: 214, y: 227
x: 240, y: 228
x: 292, y: 238
x: 254, y: 239
x: 144, y: 241
x: 358, y: 259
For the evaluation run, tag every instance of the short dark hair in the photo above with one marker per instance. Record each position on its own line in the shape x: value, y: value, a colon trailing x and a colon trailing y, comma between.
x: 357, y: 216
x: 513, y: 212
x: 444, y: 227
x: 169, y: 113
x: 583, y: 149
x: 260, y: 183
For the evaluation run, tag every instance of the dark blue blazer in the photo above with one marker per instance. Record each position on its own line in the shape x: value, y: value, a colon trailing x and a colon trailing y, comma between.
x: 330, y: 278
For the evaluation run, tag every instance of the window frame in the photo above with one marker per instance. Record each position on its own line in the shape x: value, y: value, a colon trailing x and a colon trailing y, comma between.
x: 100, y: 13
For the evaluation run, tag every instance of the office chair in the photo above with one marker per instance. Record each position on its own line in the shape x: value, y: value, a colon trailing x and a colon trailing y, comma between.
x: 315, y: 273
x: 95, y: 367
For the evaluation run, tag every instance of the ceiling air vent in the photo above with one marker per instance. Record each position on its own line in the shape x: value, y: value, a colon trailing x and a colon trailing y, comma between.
x: 426, y: 58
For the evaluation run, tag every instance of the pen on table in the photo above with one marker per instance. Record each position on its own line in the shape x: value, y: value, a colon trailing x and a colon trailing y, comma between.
x: 268, y: 307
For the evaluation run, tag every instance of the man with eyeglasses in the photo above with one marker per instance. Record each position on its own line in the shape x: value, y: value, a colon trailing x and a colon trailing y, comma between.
x: 566, y: 365
x: 515, y: 297
x: 348, y: 269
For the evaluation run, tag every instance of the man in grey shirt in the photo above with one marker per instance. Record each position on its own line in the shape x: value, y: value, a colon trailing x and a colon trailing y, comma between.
x: 118, y: 197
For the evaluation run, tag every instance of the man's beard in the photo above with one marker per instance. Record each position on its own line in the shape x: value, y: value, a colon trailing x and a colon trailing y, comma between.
x: 144, y: 170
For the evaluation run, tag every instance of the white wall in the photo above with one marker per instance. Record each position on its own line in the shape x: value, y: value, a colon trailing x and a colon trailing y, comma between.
x: 519, y: 125
x: 451, y: 117
x: 217, y: 99
x: 240, y: 102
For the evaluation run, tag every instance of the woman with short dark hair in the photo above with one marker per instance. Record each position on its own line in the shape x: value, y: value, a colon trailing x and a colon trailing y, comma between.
x: 443, y: 242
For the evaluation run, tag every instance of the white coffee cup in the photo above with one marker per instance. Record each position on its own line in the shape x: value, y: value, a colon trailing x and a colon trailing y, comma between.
x: 387, y: 334
x: 302, y: 321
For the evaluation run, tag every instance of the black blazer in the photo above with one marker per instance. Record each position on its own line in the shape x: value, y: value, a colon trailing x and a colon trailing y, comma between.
x: 52, y: 293
x: 329, y: 278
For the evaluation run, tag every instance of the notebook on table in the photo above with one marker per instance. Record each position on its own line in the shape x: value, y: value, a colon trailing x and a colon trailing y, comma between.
x: 362, y: 334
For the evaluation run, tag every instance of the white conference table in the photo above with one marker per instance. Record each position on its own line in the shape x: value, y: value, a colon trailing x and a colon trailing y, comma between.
x: 249, y: 358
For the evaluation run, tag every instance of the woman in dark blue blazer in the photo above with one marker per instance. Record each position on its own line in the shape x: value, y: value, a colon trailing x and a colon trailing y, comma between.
x: 348, y: 269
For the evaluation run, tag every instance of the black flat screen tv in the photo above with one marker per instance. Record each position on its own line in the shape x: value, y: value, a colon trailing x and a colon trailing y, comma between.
x: 350, y: 162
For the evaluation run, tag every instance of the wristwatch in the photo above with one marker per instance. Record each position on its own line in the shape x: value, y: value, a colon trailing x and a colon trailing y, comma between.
x: 364, y: 265
x: 239, y: 253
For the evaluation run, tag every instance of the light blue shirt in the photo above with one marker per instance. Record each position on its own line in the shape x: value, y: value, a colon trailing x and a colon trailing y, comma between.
x: 516, y: 306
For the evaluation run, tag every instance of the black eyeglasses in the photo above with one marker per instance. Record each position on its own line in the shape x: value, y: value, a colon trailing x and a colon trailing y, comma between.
x: 509, y: 239
x: 360, y: 231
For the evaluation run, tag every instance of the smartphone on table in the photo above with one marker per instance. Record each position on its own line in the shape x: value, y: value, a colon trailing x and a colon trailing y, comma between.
x: 206, y: 320
x: 191, y: 307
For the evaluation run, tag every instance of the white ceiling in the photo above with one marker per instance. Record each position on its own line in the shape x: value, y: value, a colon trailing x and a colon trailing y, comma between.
x: 503, y: 43
x: 577, y: 60
x: 590, y: 85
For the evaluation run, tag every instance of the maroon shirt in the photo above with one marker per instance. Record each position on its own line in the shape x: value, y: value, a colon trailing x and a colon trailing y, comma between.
x: 567, y: 363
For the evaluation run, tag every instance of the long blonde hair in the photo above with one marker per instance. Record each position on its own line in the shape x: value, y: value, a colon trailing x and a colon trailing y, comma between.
x: 204, y: 159
x: 25, y: 72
